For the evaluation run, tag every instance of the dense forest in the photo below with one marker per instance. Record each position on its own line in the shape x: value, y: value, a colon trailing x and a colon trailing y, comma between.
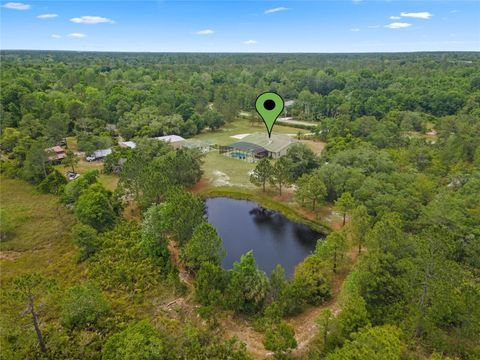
x: 401, y: 166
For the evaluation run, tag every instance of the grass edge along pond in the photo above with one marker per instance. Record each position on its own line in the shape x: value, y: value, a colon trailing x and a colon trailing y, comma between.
x: 267, y: 203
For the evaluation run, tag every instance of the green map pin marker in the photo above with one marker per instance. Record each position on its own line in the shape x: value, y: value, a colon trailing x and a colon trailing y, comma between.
x: 269, y: 105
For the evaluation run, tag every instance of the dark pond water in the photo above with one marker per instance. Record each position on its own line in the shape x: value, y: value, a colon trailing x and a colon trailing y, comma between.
x: 244, y: 226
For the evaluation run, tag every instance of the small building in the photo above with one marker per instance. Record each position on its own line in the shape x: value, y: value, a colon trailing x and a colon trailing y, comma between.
x: 56, y: 154
x: 130, y: 144
x: 257, y: 146
x: 99, y: 154
x: 174, y: 140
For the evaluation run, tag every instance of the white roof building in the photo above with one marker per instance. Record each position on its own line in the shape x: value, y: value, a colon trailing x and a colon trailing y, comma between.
x: 170, y: 138
x: 102, y: 153
x: 130, y: 144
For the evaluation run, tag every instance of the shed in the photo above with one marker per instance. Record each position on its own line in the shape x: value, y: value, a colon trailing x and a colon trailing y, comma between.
x: 100, y: 154
x: 57, y: 153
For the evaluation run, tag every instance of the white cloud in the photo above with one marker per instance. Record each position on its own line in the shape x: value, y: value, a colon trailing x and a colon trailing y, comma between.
x: 55, y: 36
x: 16, y: 6
x: 47, y: 16
x: 355, y: 29
x: 274, y: 10
x: 91, y: 20
x: 205, y: 32
x: 77, y: 35
x: 417, y: 15
x: 454, y: 11
x: 373, y: 26
x: 395, y: 17
x: 356, y: 1
x: 398, y: 25
x: 250, y: 42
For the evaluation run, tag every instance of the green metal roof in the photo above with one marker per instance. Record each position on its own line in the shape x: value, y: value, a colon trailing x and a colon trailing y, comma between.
x: 276, y: 143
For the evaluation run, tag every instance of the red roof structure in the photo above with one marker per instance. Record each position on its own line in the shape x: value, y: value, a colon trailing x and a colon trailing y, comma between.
x: 59, y: 153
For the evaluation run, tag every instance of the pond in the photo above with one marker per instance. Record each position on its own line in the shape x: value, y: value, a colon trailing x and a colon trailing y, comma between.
x: 244, y: 225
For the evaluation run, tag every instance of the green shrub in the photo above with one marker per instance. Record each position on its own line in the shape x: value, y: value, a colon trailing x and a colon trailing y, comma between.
x: 83, y: 306
x: 86, y: 238
x: 54, y: 183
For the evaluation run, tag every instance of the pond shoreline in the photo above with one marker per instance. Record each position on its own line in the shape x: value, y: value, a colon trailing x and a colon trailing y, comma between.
x: 269, y: 204
x: 244, y: 226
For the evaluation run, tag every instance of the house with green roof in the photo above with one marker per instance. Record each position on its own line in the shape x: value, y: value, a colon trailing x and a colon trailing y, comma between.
x: 257, y: 146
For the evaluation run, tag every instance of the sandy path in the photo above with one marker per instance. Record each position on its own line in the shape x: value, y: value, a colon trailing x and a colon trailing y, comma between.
x: 304, y: 323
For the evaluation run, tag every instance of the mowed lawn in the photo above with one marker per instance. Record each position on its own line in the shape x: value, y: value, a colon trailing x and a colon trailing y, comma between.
x: 41, y: 238
x: 243, y: 126
x: 221, y: 171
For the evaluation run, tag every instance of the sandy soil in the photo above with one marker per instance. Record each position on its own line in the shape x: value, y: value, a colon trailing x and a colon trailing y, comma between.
x: 304, y: 323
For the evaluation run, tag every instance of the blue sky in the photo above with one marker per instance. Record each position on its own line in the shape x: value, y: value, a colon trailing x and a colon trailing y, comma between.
x: 241, y: 26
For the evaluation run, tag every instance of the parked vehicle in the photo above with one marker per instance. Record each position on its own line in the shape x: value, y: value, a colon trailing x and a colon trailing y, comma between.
x: 72, y: 175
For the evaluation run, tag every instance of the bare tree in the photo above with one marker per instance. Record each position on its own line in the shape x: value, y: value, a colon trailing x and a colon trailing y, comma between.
x: 28, y: 289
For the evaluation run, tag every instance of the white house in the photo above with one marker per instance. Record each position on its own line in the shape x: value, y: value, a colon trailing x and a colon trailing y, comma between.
x: 174, y: 140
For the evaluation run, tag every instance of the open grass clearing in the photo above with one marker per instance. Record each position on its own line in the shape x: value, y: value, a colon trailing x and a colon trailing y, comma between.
x: 224, y: 135
x: 219, y: 170
x: 72, y: 143
x: 41, y: 237
x: 316, y: 146
x: 110, y: 181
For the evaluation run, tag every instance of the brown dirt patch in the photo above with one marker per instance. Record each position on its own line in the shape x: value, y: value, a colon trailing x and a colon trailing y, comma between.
x: 9, y: 255
x: 131, y: 211
x: 199, y: 186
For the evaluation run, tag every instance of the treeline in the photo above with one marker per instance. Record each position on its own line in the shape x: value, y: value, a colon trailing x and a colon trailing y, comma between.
x: 409, y: 202
x: 412, y: 204
x: 52, y: 94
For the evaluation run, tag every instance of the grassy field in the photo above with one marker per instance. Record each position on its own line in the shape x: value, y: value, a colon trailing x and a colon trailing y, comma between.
x: 41, y: 238
x: 109, y: 181
x: 242, y: 126
x: 224, y: 171
x: 41, y: 242
x: 72, y: 143
x: 220, y: 170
